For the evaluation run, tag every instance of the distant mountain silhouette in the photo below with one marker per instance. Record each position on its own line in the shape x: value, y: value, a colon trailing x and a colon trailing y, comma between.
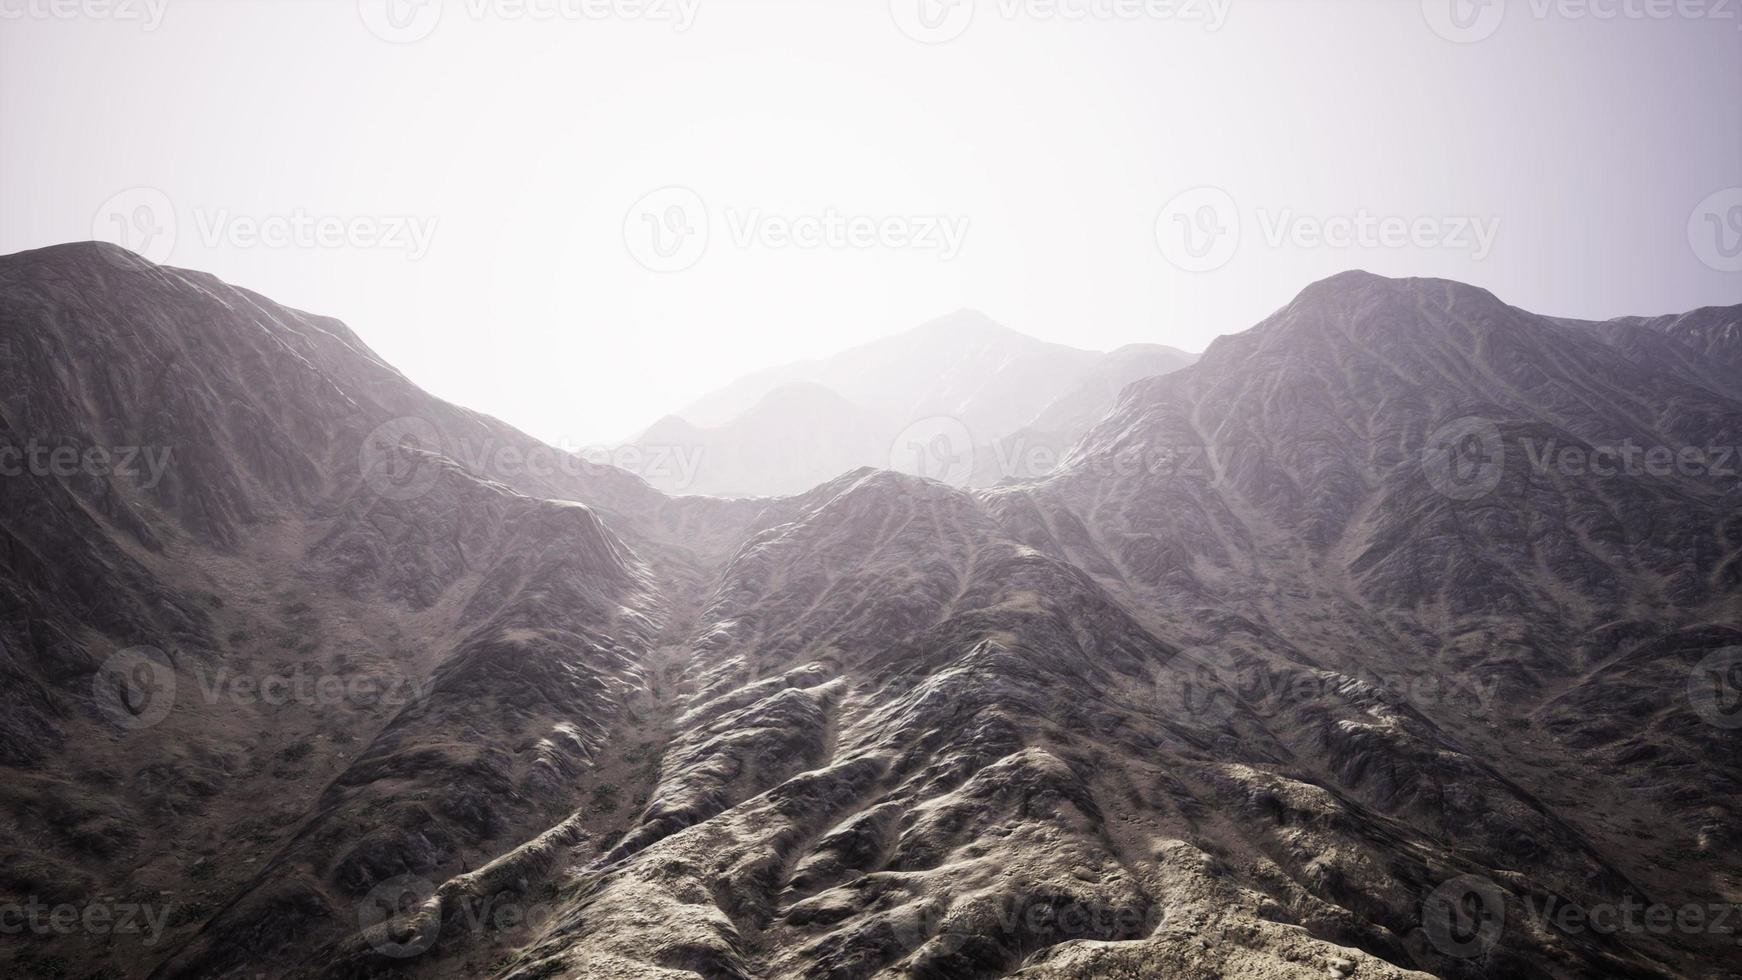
x: 1001, y: 392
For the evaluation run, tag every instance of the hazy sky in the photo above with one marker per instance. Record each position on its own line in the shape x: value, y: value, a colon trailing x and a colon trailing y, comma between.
x: 579, y: 214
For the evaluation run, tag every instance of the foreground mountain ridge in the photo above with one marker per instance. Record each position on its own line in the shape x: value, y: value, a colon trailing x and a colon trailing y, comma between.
x: 1269, y: 678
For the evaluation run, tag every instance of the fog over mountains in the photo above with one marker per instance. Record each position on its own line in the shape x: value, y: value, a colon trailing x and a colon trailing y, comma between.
x: 1399, y: 635
x: 960, y: 397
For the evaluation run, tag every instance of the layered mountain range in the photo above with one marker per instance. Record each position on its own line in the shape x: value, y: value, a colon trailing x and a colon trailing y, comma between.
x: 1398, y: 636
x: 960, y: 398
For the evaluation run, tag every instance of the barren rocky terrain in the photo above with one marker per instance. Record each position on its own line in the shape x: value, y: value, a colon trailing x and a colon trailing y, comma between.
x: 1399, y: 636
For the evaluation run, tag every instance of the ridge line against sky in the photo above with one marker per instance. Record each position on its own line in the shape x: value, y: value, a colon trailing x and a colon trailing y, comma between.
x: 581, y: 224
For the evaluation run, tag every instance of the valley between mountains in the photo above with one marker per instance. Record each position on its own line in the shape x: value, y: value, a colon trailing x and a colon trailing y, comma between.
x: 1379, y: 642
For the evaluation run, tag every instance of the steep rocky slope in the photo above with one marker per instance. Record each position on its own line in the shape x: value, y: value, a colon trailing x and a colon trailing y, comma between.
x: 1303, y: 664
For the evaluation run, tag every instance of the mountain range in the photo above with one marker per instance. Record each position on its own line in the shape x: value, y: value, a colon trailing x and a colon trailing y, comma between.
x: 961, y: 398
x: 1399, y: 635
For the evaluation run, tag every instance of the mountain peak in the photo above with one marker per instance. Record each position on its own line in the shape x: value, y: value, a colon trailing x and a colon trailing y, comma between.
x: 1359, y: 282
x: 965, y: 322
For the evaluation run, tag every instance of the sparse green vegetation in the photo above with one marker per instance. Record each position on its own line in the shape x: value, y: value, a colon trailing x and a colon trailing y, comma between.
x: 604, y: 798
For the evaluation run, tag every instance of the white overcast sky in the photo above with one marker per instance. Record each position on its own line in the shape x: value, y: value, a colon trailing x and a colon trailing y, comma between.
x: 528, y: 141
